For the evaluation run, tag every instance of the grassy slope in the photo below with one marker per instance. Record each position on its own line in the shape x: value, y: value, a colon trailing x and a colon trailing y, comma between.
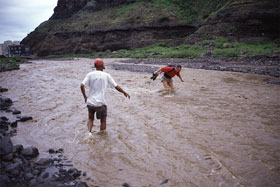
x: 137, y: 14
x: 219, y: 47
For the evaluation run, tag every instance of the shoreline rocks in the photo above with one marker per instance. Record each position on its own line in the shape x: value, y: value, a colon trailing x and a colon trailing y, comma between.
x: 22, y: 166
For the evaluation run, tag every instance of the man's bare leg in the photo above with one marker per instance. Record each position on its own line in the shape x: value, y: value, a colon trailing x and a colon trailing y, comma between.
x: 166, y: 88
x: 90, y: 122
x: 165, y: 84
x: 103, y: 124
x: 171, y: 85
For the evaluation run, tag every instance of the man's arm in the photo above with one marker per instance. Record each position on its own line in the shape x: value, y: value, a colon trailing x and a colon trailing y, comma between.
x: 181, y: 79
x: 122, y: 91
x: 157, y: 71
x: 179, y: 75
x: 84, y: 92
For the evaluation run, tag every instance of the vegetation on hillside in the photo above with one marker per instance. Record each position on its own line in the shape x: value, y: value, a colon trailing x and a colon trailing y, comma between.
x: 219, y: 47
x: 137, y: 14
x: 224, y: 48
x: 193, y: 11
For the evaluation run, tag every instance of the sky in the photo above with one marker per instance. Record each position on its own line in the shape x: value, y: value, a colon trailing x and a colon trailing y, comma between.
x: 20, y: 17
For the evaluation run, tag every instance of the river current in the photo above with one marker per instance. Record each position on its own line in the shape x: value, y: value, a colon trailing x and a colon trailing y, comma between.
x: 217, y: 129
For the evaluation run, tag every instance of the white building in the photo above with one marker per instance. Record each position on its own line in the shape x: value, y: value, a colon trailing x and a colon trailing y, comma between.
x: 1, y: 50
x: 4, y: 48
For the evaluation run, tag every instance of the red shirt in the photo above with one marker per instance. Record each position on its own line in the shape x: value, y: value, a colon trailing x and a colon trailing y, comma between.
x: 170, y: 71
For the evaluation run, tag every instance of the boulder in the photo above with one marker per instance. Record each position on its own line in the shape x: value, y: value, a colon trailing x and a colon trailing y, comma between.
x: 44, y: 161
x: 5, y: 103
x: 36, y: 172
x: 30, y: 152
x: 74, y: 173
x: 16, y: 112
x: 125, y: 185
x: 51, y: 151
x: 3, y: 89
x: 4, y: 118
x: 17, y: 148
x: 4, y: 125
x: 80, y: 184
x: 25, y: 118
x: 17, y: 160
x: 8, y: 157
x: 14, y: 168
x: 28, y: 176
x: 4, y: 180
x: 6, y: 145
x: 14, y: 124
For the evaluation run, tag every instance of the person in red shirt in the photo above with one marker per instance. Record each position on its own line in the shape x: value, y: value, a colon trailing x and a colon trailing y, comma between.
x: 169, y: 72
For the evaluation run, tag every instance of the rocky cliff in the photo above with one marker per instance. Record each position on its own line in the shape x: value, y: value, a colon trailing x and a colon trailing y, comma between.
x: 87, y: 26
x: 244, y: 21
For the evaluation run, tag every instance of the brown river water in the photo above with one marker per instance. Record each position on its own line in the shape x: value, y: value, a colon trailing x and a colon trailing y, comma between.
x: 218, y: 129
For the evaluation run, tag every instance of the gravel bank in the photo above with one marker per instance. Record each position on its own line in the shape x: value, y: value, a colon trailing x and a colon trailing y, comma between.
x: 263, y: 65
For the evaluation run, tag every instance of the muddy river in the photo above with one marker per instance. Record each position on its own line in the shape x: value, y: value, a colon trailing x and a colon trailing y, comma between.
x: 218, y: 129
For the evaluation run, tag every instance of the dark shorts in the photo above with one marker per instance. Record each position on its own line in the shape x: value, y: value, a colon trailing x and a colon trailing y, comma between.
x: 168, y: 80
x: 101, y: 111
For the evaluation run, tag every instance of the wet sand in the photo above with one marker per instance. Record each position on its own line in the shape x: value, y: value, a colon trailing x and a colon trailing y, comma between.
x: 218, y: 129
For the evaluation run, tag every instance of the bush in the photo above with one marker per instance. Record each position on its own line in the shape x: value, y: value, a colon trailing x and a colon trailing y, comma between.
x: 219, y: 42
x: 10, y: 63
x: 252, y: 49
x: 228, y: 52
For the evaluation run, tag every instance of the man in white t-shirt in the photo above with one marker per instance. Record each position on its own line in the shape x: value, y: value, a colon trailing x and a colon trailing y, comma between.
x: 97, y: 82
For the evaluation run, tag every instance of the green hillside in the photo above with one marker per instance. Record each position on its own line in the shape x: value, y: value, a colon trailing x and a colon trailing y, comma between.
x: 138, y: 13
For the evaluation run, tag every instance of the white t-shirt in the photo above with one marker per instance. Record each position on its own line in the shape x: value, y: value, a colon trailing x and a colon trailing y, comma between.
x: 98, y: 82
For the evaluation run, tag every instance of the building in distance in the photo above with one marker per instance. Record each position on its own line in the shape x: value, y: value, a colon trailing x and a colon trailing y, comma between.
x: 13, y: 48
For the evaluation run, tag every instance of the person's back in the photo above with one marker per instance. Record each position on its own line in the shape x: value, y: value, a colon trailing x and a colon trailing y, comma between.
x: 98, y: 82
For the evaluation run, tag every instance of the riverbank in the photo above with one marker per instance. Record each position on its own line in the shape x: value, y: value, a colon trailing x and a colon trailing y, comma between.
x: 259, y: 64
x: 22, y: 166
x: 262, y: 65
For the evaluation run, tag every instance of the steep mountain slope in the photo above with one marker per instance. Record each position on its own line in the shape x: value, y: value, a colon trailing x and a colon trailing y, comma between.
x: 244, y: 21
x: 86, y: 26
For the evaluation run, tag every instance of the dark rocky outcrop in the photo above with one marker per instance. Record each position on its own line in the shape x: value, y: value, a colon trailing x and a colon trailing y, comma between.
x: 66, y: 8
x: 114, y: 39
x: 87, y: 26
x: 249, y: 21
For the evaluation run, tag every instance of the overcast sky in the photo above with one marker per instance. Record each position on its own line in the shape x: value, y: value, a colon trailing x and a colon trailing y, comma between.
x: 20, y: 17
